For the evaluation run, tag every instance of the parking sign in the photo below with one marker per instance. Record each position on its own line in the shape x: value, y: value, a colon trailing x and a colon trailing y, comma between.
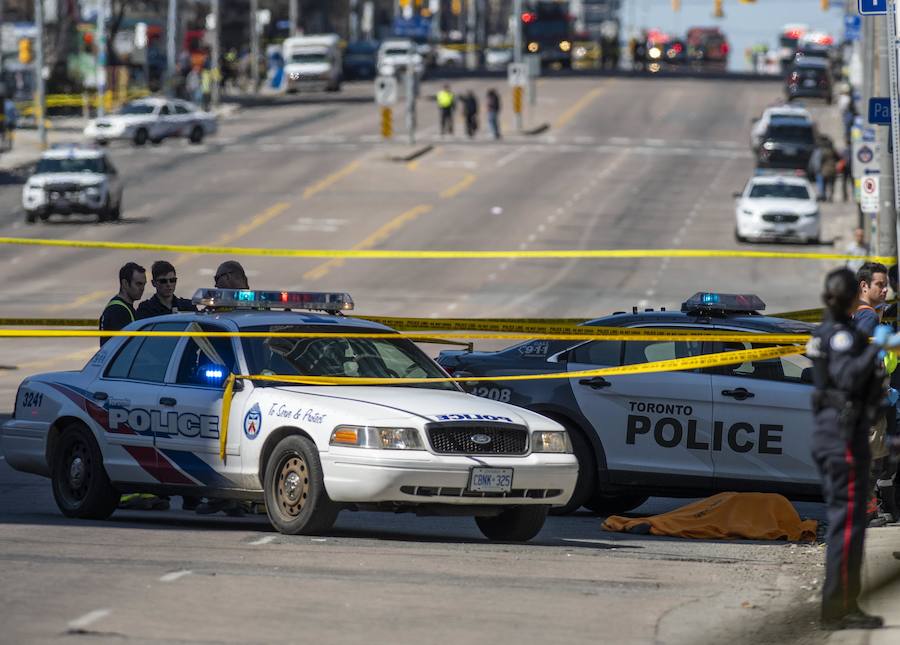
x: 872, y: 7
x: 869, y: 195
x: 385, y: 90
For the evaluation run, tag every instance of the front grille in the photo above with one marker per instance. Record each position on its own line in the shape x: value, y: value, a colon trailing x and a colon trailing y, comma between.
x: 515, y: 493
x: 456, y: 438
x: 780, y: 218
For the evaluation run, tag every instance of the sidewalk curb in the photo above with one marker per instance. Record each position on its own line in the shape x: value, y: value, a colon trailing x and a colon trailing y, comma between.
x: 415, y: 154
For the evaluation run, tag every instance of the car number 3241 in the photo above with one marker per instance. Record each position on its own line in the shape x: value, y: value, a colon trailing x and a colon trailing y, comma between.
x: 491, y: 480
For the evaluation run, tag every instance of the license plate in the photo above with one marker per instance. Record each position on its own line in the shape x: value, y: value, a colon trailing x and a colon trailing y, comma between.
x: 61, y: 203
x: 809, y: 83
x: 491, y: 480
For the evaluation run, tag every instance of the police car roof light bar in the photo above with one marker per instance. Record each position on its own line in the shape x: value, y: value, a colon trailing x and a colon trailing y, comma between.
x: 724, y: 302
x: 332, y: 303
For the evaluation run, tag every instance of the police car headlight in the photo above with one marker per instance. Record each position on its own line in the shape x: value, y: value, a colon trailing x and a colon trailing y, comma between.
x: 93, y: 191
x: 377, y: 438
x: 550, y: 441
x: 813, y: 214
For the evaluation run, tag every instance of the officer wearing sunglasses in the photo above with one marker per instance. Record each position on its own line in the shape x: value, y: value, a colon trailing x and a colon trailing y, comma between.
x: 164, y: 301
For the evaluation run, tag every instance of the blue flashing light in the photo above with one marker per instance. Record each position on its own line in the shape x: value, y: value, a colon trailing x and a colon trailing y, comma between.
x: 245, y: 296
x: 710, y: 298
x: 723, y: 302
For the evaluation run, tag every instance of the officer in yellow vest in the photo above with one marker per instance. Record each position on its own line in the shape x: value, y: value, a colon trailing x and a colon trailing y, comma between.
x: 119, y: 310
x: 446, y: 102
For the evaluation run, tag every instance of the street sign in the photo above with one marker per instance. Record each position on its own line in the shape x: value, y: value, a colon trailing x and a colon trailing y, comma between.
x: 140, y: 35
x: 517, y: 74
x: 869, y: 195
x: 852, y: 28
x: 865, y: 159
x: 880, y: 111
x: 385, y: 90
x: 872, y: 7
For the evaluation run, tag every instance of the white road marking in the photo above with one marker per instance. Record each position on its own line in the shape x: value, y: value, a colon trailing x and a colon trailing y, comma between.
x: 263, y: 540
x: 88, y: 618
x: 174, y: 575
x: 505, y: 159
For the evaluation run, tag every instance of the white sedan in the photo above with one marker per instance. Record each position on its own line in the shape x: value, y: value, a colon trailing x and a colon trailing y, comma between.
x: 145, y: 415
x: 777, y: 208
x: 153, y: 119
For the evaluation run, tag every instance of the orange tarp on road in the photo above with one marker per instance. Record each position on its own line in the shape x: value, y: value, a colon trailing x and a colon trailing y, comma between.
x: 751, y: 516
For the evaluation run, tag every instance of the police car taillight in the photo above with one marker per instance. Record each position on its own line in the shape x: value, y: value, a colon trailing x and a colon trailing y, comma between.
x: 252, y: 299
x: 724, y: 302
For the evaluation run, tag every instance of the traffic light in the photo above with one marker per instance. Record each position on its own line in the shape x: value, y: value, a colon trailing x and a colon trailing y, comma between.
x: 826, y: 5
x: 676, y: 5
x: 456, y: 7
x: 717, y: 9
x: 26, y: 55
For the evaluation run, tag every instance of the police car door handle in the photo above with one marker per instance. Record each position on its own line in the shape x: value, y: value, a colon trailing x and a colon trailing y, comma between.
x: 167, y: 400
x: 100, y: 396
x: 597, y: 382
x: 740, y: 394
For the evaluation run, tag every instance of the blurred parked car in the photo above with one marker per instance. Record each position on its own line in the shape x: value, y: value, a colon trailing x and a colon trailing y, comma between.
x: 360, y: 60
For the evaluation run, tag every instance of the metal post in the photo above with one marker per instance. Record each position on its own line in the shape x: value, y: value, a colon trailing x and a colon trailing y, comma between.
x: 471, y: 32
x: 892, y: 184
x: 40, y: 95
x: 411, y: 96
x: 886, y: 240
x: 254, y: 45
x: 215, y: 70
x: 101, y: 57
x: 354, y: 21
x: 293, y: 16
x: 171, y: 51
x: 517, y: 48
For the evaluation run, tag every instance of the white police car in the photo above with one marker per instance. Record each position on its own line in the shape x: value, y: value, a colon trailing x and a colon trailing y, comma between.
x: 153, y: 119
x: 740, y: 427
x: 73, y: 179
x: 144, y: 415
x: 777, y: 207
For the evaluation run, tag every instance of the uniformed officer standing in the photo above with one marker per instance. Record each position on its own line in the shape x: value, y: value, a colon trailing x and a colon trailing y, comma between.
x: 164, y: 301
x: 119, y: 310
x: 849, y: 386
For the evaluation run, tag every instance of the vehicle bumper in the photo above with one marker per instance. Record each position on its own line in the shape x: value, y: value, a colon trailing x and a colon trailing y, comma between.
x: 811, y: 93
x: 420, y: 477
x: 68, y: 207
x: 803, y: 230
x: 24, y: 445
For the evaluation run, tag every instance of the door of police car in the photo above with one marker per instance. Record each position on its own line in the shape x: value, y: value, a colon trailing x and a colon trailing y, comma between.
x: 654, y: 423
x: 129, y: 389
x: 194, y: 396
x: 762, y: 431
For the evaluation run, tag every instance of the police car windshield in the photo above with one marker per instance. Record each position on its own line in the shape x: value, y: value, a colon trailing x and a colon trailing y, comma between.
x: 793, y: 133
x: 779, y: 191
x: 309, y: 58
x: 339, y: 356
x: 94, y: 165
x: 137, y: 108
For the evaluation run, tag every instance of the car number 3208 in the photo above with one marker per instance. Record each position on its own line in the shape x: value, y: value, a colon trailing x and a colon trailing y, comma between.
x: 494, y: 393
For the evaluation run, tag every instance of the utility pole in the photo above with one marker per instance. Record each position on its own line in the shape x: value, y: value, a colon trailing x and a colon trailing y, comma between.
x: 40, y: 95
x: 254, y: 44
x: 411, y: 95
x: 354, y: 20
x: 889, y: 186
x: 517, y: 48
x: 471, y: 33
x: 293, y: 16
x: 886, y: 243
x: 101, y: 55
x: 171, y: 52
x: 215, y: 70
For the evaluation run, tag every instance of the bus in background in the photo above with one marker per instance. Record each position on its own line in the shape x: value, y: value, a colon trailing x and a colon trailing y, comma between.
x: 548, y: 30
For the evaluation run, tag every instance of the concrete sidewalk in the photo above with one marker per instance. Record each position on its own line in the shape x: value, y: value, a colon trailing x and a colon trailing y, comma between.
x: 27, y: 146
x: 881, y: 590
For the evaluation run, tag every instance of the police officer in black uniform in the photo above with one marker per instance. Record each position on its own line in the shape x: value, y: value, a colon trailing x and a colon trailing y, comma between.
x: 849, y: 387
x: 119, y: 311
x: 164, y: 301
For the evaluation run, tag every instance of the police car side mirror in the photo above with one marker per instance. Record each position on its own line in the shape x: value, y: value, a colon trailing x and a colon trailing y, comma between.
x: 238, y: 385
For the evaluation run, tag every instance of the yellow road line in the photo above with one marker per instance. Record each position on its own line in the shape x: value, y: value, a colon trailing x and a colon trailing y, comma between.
x: 457, y: 188
x: 258, y: 220
x: 331, y: 179
x: 376, y: 237
x: 86, y: 299
x: 577, y: 107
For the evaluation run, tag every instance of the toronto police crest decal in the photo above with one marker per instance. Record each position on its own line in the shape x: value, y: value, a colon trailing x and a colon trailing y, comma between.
x: 253, y: 422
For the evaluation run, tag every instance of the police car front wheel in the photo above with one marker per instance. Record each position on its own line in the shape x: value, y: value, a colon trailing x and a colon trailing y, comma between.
x: 80, y: 484
x: 296, y: 500
x: 518, y: 524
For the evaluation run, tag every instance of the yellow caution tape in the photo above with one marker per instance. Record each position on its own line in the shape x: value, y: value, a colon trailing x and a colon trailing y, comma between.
x: 374, y: 254
x: 674, y: 365
x: 604, y: 333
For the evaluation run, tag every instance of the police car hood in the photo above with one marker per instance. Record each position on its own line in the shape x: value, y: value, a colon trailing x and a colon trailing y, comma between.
x: 77, y: 178
x: 396, y: 403
x: 770, y: 204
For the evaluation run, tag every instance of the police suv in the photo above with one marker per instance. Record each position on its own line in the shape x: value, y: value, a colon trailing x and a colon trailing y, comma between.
x: 73, y: 179
x: 743, y: 427
x: 145, y: 415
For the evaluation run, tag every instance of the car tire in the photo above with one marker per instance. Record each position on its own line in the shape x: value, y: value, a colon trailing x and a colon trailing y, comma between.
x: 586, y: 483
x: 102, y: 142
x: 141, y: 136
x: 30, y: 217
x: 196, y: 135
x: 740, y: 239
x: 294, y: 489
x: 606, y: 505
x: 44, y: 216
x: 79, y: 481
x: 116, y: 213
x: 518, y: 524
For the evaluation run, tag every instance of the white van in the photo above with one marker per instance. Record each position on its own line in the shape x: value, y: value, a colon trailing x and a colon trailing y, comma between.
x: 396, y: 54
x: 312, y: 63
